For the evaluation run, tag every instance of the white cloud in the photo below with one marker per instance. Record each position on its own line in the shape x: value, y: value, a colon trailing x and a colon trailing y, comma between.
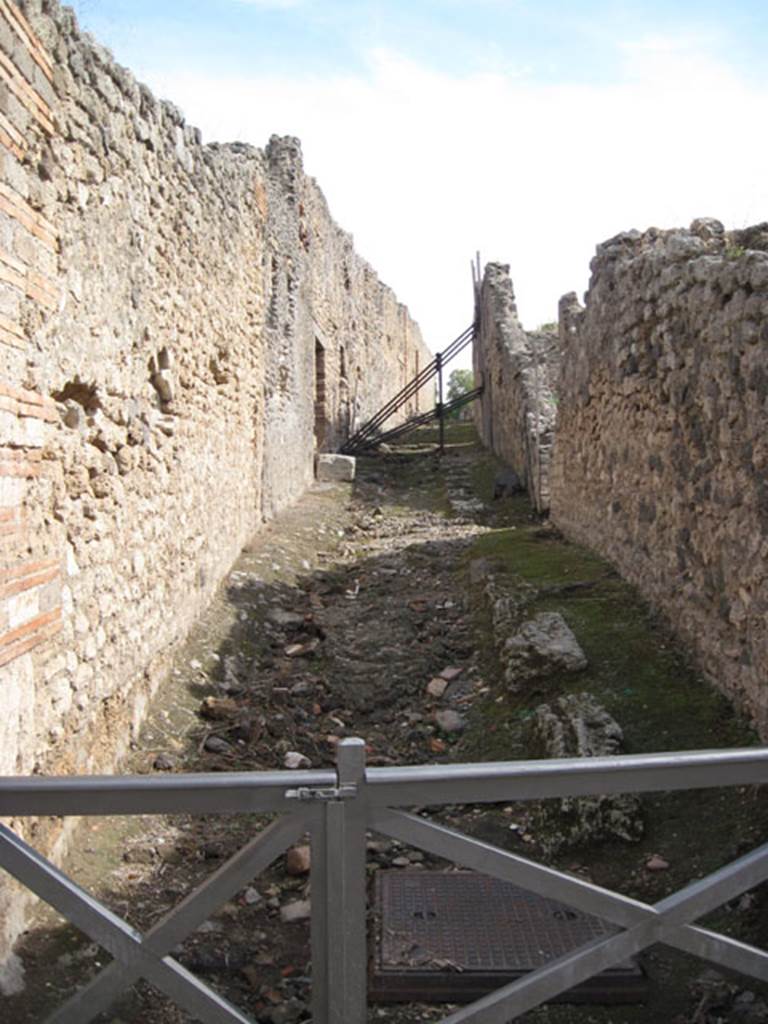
x: 426, y: 167
x: 679, y: 61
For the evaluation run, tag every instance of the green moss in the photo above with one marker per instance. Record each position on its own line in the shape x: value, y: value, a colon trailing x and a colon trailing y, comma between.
x: 635, y: 667
x: 645, y: 680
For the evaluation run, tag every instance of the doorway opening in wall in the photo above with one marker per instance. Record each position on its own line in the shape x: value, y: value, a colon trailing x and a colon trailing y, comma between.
x: 345, y: 404
x: 321, y: 416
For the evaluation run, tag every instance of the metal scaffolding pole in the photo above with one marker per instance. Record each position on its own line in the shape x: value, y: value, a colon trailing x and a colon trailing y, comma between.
x: 440, y: 407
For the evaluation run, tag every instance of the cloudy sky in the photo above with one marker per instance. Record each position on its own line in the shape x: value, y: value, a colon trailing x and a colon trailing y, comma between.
x: 529, y: 130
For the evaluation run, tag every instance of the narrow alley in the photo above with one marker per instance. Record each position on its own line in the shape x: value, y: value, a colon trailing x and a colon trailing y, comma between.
x: 373, y: 611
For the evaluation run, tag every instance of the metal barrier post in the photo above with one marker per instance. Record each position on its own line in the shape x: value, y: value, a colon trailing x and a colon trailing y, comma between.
x: 440, y: 406
x: 339, y: 934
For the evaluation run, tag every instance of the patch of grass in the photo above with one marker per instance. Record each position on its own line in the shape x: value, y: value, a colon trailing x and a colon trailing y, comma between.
x: 635, y: 668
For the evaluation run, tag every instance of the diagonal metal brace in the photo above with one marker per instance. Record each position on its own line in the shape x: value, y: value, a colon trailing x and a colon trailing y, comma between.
x: 144, y: 956
x: 668, y: 921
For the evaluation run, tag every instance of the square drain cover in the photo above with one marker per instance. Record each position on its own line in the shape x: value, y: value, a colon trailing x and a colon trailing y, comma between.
x: 455, y: 936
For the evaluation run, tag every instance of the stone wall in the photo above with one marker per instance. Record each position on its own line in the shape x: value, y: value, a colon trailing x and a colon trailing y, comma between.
x: 328, y: 315
x: 181, y: 328
x: 661, y: 450
x: 515, y: 415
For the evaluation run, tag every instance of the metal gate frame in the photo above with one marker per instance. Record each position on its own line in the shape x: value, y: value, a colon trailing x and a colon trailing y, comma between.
x: 337, y: 809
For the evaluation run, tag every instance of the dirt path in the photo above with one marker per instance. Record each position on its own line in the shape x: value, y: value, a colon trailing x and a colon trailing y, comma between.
x: 332, y: 624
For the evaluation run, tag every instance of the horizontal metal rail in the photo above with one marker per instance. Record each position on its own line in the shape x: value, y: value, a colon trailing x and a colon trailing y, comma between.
x: 336, y: 809
x: 497, y: 782
x: 485, y: 782
x: 217, y: 792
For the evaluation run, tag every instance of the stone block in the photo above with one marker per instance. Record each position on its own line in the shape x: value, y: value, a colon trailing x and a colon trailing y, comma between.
x: 578, y: 726
x: 544, y: 645
x: 334, y: 468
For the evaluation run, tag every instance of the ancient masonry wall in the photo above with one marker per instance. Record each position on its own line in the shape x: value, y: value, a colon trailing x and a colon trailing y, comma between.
x: 181, y: 328
x: 516, y: 414
x: 661, y: 452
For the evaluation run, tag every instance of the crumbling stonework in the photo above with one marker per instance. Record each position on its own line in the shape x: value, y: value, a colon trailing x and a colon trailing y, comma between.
x: 516, y: 413
x: 543, y: 645
x: 577, y: 725
x: 661, y: 449
x: 182, y: 327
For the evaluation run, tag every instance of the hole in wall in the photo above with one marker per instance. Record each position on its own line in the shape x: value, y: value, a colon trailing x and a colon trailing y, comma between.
x: 78, y: 391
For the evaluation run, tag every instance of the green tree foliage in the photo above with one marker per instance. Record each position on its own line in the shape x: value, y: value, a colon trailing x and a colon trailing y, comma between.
x: 459, y: 383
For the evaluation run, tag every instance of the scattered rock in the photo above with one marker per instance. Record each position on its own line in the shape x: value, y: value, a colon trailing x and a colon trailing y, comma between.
x: 450, y: 721
x: 436, y: 687
x: 293, y: 759
x: 252, y: 896
x: 298, y: 860
x: 218, y: 709
x: 298, y: 910
x: 449, y: 674
x: 656, y: 863
x: 578, y: 726
x: 216, y: 745
x: 507, y: 598
x: 285, y: 619
x: 302, y: 650
x: 164, y: 763
x: 543, y: 645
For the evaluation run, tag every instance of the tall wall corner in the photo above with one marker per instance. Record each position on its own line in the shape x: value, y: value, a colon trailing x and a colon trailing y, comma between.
x: 518, y: 371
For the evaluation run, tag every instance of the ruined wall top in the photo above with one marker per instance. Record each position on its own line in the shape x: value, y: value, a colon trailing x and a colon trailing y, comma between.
x: 517, y: 370
x: 660, y: 451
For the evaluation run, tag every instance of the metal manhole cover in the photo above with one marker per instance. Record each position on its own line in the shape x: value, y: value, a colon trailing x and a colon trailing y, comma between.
x: 454, y: 936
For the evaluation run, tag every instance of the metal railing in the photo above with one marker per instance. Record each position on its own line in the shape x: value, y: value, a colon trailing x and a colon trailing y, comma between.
x: 367, y: 436
x: 440, y: 412
x: 337, y: 808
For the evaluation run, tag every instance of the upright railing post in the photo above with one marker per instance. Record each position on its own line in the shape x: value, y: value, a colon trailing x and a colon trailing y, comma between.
x: 339, y: 936
x: 440, y: 407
